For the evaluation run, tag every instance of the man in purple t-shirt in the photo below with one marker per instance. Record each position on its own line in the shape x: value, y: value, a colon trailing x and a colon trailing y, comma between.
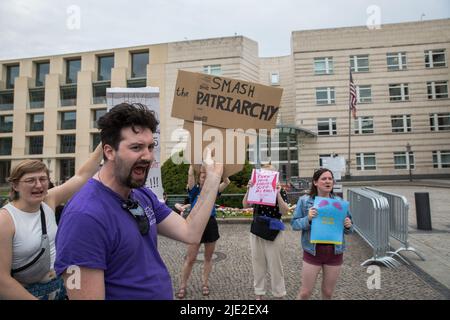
x: 108, y: 230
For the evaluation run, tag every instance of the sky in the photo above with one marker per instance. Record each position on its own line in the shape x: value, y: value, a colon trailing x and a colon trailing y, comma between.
x: 32, y: 28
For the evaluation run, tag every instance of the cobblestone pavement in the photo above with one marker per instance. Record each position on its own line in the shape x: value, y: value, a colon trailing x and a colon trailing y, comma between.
x: 231, y: 277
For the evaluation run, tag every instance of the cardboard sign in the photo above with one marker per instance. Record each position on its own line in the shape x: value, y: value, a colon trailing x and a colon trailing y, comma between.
x: 227, y: 146
x: 328, y: 226
x: 264, y: 188
x: 224, y: 102
x: 149, y: 97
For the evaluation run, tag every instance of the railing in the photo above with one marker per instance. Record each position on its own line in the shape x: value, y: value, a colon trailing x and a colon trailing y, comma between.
x: 370, y: 212
x: 398, y: 223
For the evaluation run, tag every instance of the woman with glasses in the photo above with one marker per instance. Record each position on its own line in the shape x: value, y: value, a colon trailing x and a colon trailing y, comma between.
x: 316, y: 257
x: 209, y: 237
x: 28, y: 229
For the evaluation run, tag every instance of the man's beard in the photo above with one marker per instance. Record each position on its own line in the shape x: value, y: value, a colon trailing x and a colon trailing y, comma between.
x: 129, y: 181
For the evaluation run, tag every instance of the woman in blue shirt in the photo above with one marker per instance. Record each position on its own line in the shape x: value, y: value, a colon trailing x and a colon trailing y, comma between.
x: 316, y: 257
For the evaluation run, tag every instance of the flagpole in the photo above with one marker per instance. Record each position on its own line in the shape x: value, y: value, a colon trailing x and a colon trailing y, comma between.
x: 347, y: 171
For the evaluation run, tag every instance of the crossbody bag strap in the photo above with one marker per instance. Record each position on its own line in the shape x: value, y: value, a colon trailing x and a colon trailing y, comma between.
x: 43, y: 222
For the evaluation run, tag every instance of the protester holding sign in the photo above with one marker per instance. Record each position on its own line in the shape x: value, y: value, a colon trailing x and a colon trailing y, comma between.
x: 324, y: 255
x: 267, y: 238
x: 209, y: 237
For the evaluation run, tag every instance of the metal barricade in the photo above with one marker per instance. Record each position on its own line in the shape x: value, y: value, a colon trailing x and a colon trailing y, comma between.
x: 370, y: 212
x: 398, y: 222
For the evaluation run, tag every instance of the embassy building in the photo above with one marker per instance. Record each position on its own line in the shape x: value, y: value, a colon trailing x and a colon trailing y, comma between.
x: 49, y: 105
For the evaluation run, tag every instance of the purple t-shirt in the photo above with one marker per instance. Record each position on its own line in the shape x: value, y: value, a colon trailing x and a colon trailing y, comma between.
x: 96, y: 232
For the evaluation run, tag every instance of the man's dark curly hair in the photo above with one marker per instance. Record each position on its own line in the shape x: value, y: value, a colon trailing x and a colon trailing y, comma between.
x: 125, y: 115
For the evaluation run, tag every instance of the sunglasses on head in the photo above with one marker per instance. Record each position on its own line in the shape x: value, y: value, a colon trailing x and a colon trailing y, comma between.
x: 138, y: 213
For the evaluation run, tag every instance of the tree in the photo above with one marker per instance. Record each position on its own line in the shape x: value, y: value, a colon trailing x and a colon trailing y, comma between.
x: 174, y: 176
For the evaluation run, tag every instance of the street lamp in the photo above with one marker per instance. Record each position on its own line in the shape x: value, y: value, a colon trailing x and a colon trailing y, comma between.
x: 408, y: 159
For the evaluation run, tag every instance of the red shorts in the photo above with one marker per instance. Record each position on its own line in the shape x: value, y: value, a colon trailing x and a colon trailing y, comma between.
x: 324, y: 255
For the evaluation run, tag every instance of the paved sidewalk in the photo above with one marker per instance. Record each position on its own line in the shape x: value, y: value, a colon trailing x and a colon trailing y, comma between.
x: 232, y: 279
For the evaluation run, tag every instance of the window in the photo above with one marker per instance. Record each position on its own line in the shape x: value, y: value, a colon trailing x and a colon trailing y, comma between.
x: 97, y: 114
x: 6, y: 100
x: 99, y: 91
x: 401, y: 123
x: 403, y: 161
x: 274, y: 78
x: 37, y: 97
x: 364, y: 94
x: 437, y: 90
x: 66, y: 169
x: 42, y: 69
x: 5, y: 169
x: 35, y: 144
x: 366, y: 161
x: 5, y: 146
x: 398, y: 92
x: 139, y: 62
x: 323, y: 65
x: 326, y: 126
x: 67, y: 143
x: 321, y: 156
x: 441, y: 159
x: 105, y: 64
x: 36, y: 122
x: 325, y: 95
x: 214, y: 69
x: 396, y: 61
x: 96, y: 139
x: 68, y: 120
x: 6, y: 123
x: 72, y: 68
x: 440, y: 121
x: 12, y: 72
x: 364, y: 125
x: 359, y: 63
x: 137, y: 83
x: 68, y: 95
x: 283, y: 155
x: 435, y: 58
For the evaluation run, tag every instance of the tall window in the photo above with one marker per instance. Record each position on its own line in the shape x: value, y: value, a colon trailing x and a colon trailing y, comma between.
x: 105, y: 64
x: 366, y: 161
x: 96, y: 139
x: 213, y: 69
x: 68, y: 95
x: 274, y: 78
x: 323, y: 65
x: 139, y: 62
x: 66, y: 169
x: 364, y: 94
x: 36, y: 122
x: 396, y: 61
x: 97, y: 114
x: 67, y: 143
x: 99, y: 91
x: 72, y: 68
x: 6, y: 100
x: 435, y: 58
x: 403, y: 160
x: 437, y: 90
x: 441, y: 159
x: 440, y: 121
x: 398, y: 92
x: 326, y: 126
x: 68, y: 120
x: 321, y: 156
x: 35, y: 144
x: 5, y: 146
x: 364, y: 125
x: 325, y: 95
x: 12, y: 72
x: 6, y: 123
x: 42, y: 69
x: 401, y: 123
x: 37, y: 98
x: 359, y: 63
x: 5, y: 169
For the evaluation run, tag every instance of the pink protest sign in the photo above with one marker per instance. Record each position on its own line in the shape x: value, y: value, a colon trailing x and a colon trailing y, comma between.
x: 264, y: 189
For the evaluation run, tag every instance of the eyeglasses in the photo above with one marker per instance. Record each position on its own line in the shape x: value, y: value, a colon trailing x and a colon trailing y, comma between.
x: 33, y: 181
x: 138, y: 213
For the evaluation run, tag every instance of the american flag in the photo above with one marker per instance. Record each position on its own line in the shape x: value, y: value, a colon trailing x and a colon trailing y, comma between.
x: 352, y: 102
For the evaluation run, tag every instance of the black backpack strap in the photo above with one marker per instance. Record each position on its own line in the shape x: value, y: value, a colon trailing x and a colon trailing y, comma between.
x: 43, y: 224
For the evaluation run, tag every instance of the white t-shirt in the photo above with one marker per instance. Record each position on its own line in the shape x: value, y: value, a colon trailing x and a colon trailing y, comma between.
x: 28, y: 232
